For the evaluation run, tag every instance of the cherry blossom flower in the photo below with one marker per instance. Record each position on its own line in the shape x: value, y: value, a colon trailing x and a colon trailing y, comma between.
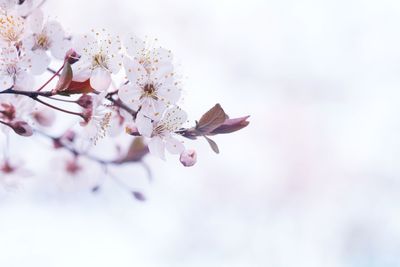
x: 161, y: 133
x: 14, y: 108
x: 100, y: 57
x: 151, y: 92
x: 11, y: 174
x: 45, y: 37
x: 97, y: 118
x: 12, y: 28
x: 6, y: 5
x: 14, y: 70
x: 152, y: 86
x: 74, y: 174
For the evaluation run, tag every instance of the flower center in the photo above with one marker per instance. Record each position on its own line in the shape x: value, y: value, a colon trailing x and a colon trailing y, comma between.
x: 72, y: 167
x: 11, y: 28
x: 99, y: 60
x: 149, y: 90
x: 42, y: 41
x: 6, y: 168
x: 11, y: 70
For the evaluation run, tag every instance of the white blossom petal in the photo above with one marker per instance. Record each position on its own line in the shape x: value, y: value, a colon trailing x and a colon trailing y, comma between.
x: 100, y: 79
x: 59, y: 48
x: 173, y: 145
x: 40, y: 61
x: 135, y: 72
x: 130, y: 94
x: 6, y: 82
x: 35, y: 20
x: 144, y: 125
x: 54, y: 30
x: 157, y: 147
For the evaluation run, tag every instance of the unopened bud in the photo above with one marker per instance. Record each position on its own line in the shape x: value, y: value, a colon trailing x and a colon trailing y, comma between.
x: 69, y: 136
x: 71, y: 56
x: 188, y: 157
x: 85, y: 101
x: 22, y: 128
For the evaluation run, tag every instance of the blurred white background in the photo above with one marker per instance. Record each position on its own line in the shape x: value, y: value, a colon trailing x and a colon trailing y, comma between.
x: 313, y: 181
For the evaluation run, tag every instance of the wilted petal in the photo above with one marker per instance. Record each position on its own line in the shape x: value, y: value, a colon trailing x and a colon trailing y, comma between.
x: 100, y: 79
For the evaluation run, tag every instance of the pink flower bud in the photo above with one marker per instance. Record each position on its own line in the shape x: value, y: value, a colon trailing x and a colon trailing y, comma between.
x: 71, y: 56
x: 188, y: 157
x: 85, y: 101
x: 22, y: 128
x: 69, y: 136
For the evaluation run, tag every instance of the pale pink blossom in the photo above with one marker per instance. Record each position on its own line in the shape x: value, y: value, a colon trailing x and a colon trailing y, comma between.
x: 100, y: 57
x: 161, y: 133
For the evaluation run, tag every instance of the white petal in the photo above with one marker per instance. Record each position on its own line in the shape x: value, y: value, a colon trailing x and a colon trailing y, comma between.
x: 6, y: 82
x: 169, y: 94
x: 54, y: 30
x: 40, y: 61
x: 82, y: 70
x: 100, y: 79
x: 114, y: 63
x: 134, y: 45
x: 157, y: 147
x: 29, y: 42
x: 24, y: 81
x: 130, y: 94
x: 9, y: 54
x: 85, y: 45
x: 175, y: 117
x: 153, y: 108
x: 144, y: 125
x: 173, y: 145
x: 135, y: 72
x: 59, y: 48
x: 35, y: 20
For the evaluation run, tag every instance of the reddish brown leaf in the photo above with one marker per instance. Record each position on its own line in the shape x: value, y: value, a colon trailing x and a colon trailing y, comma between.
x: 78, y: 88
x: 136, y: 151
x: 211, y: 120
x: 231, y: 125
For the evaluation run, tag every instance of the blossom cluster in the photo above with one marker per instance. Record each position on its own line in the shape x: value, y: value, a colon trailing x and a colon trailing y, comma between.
x: 112, y: 84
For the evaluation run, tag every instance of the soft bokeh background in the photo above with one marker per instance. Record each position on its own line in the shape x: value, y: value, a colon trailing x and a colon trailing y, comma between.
x: 313, y: 181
